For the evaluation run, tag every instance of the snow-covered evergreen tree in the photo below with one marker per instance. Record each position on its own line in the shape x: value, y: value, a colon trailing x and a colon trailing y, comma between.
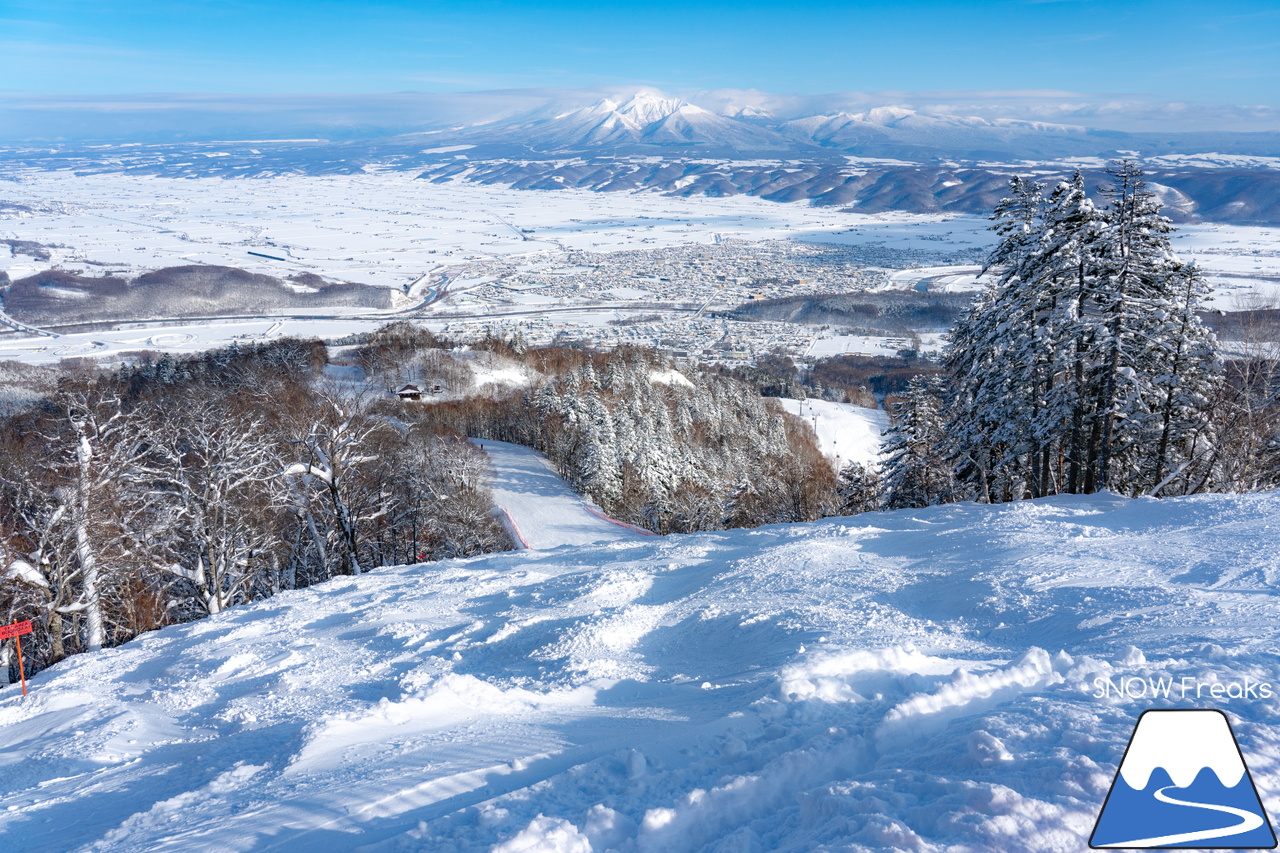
x: 916, y: 469
x: 1139, y: 272
x: 1083, y: 364
x: 596, y: 467
x: 1067, y: 269
x: 860, y: 489
x: 1180, y: 439
x: 997, y: 356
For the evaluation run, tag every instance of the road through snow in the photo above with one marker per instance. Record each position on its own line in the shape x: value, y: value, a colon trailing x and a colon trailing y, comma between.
x: 546, y: 512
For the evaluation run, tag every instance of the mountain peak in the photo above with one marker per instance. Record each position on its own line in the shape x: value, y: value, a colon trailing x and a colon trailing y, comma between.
x: 886, y: 115
x: 644, y: 108
x: 747, y: 112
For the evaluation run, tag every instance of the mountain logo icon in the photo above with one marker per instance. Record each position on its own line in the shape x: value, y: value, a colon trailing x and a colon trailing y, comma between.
x: 1183, y: 784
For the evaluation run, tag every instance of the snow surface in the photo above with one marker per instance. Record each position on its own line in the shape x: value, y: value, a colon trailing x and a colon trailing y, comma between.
x: 918, y: 680
x: 930, y: 344
x: 545, y: 510
x: 387, y: 228
x: 953, y: 278
x: 182, y: 338
x: 669, y: 377
x: 492, y: 372
x: 846, y: 433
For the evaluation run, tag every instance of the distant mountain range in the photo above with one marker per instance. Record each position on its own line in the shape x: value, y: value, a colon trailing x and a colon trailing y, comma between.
x: 1238, y: 195
x: 884, y: 158
x: 653, y: 123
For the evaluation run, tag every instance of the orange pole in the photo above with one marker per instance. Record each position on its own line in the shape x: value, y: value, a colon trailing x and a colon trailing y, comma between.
x: 22, y: 673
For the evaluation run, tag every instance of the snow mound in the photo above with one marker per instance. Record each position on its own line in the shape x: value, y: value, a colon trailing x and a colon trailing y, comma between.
x: 669, y: 377
x: 918, y: 680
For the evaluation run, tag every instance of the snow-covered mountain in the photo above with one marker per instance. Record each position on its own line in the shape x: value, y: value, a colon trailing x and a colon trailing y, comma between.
x: 643, y: 120
x: 747, y: 113
x: 649, y: 121
x: 892, y: 129
x: 503, y: 120
x: 887, y: 158
x: 962, y: 677
x: 1183, y: 745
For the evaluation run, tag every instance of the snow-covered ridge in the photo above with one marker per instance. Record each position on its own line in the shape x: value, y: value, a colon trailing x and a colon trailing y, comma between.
x: 911, y: 680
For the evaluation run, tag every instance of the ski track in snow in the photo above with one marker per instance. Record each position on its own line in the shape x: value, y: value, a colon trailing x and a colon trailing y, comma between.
x: 545, y: 510
x: 846, y: 433
x: 918, y: 680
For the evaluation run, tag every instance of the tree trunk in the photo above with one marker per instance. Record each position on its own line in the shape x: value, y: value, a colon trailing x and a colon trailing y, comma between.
x: 94, y: 633
x: 345, y: 527
x: 1106, y: 414
x: 57, y: 651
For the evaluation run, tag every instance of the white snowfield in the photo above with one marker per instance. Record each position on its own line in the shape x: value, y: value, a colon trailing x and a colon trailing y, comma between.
x: 544, y: 510
x: 846, y: 433
x: 388, y: 228
x: 918, y: 680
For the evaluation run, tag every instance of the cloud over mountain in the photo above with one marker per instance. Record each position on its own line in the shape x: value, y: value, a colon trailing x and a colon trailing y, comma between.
x: 167, y: 117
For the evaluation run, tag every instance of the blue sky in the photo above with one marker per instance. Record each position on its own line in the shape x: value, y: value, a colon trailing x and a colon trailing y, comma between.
x: 1222, y: 53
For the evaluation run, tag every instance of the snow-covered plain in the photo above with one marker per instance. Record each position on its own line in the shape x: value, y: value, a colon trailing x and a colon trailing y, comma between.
x: 828, y: 344
x: 924, y: 680
x: 382, y: 228
x: 386, y: 228
x: 172, y: 337
x: 944, y: 279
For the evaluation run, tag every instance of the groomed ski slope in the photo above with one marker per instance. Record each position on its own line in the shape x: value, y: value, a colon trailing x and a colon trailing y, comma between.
x: 916, y: 680
x: 846, y: 433
x: 545, y: 511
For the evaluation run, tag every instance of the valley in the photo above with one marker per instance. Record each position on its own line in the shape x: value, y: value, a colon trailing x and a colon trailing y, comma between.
x: 467, y: 259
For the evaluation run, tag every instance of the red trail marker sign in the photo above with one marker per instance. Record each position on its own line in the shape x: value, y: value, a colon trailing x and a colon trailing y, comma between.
x: 16, y: 630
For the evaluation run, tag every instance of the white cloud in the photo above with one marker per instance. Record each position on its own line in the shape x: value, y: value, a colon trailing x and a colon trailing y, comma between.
x: 193, y: 116
x: 1127, y: 112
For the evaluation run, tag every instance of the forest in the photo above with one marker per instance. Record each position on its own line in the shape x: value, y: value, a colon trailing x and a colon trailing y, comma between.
x: 654, y: 447
x: 172, y: 488
x: 175, y: 488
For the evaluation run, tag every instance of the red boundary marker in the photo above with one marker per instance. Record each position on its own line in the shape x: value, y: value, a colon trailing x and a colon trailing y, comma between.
x: 515, y: 528
x: 16, y: 630
x: 598, y: 514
